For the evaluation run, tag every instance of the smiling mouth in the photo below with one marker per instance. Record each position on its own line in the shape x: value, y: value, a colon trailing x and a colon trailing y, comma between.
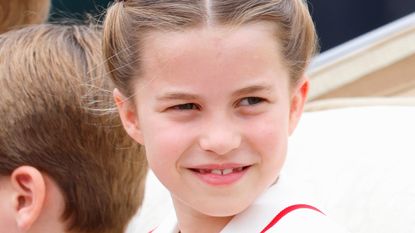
x: 221, y: 172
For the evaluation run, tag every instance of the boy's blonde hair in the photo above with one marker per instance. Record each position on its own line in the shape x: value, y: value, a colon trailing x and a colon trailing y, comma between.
x: 127, y: 23
x: 15, y: 13
x: 47, y: 75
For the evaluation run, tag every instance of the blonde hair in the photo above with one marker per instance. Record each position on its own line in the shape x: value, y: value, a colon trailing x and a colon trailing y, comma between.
x: 47, y: 74
x: 128, y: 21
x: 15, y: 13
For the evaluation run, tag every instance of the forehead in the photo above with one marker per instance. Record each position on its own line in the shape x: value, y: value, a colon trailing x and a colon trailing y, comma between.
x: 224, y: 36
x: 216, y: 47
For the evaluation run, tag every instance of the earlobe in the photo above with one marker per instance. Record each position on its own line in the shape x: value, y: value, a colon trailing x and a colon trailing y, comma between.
x: 298, y: 99
x: 128, y: 115
x: 29, y: 188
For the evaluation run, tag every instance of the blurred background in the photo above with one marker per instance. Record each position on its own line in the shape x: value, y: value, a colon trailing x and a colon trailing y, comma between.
x: 367, y: 46
x: 337, y: 21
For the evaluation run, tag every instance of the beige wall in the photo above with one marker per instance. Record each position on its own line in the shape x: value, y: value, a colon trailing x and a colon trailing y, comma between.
x: 378, y: 64
x: 397, y: 79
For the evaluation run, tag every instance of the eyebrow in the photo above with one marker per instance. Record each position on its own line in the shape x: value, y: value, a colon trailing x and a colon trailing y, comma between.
x: 176, y: 96
x: 188, y: 96
x: 251, y: 89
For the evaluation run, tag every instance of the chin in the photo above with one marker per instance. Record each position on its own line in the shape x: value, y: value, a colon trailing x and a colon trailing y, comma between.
x: 224, y: 210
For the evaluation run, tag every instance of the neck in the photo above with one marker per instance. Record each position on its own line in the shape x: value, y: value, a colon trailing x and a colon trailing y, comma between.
x: 190, y: 220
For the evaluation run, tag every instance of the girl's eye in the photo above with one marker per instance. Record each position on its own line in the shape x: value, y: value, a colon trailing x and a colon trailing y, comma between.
x: 248, y: 101
x: 187, y: 106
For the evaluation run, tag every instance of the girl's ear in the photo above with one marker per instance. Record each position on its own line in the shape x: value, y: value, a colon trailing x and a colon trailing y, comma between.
x: 28, y: 195
x: 128, y: 115
x: 298, y: 99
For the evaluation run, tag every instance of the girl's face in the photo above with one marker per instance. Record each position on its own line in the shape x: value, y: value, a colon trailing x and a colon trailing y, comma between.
x: 214, y: 108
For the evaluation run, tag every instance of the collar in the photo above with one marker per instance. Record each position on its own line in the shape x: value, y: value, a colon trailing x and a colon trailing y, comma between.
x: 263, y: 210
x: 255, y: 217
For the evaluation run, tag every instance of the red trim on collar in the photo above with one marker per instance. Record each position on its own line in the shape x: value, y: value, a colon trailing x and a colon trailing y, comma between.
x: 285, y: 212
x: 281, y: 214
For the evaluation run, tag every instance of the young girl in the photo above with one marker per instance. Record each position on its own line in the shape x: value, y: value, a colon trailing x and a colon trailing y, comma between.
x: 213, y: 89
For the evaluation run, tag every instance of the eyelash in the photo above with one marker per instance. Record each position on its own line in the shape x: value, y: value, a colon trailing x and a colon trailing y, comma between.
x: 193, y: 106
x: 185, y: 107
x: 257, y: 100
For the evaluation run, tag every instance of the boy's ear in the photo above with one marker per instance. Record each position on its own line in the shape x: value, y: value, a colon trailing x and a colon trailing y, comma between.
x: 29, y: 195
x: 128, y: 115
x: 298, y: 98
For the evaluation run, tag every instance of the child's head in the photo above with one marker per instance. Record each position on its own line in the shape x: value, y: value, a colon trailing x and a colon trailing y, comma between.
x: 22, y: 12
x: 130, y: 22
x: 212, y: 89
x: 56, y: 156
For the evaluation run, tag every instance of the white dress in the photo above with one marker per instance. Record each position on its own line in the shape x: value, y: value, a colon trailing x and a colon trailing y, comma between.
x: 278, y: 210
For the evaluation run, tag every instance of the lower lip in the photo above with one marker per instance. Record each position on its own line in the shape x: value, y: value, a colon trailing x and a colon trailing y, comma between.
x: 221, y: 180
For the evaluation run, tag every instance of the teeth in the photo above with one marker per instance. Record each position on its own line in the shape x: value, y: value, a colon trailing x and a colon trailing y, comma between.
x: 216, y: 171
x: 227, y: 171
x: 220, y: 171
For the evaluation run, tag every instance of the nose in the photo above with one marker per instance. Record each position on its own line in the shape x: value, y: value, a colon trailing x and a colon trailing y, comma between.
x: 220, y: 137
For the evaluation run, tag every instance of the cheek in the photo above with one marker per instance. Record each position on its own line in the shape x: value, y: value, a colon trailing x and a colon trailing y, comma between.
x: 270, y: 133
x: 272, y: 128
x: 165, y: 142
